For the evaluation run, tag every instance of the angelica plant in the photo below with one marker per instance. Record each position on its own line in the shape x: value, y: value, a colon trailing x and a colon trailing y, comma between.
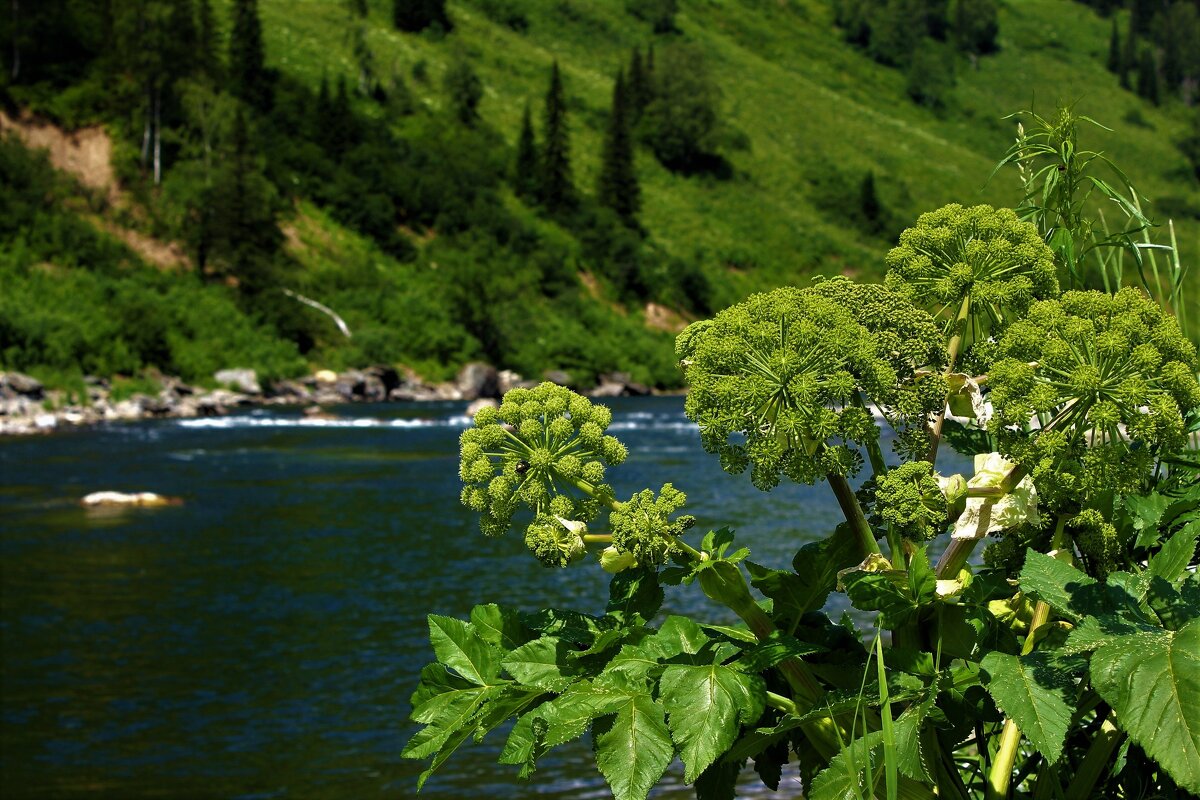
x: 1066, y: 664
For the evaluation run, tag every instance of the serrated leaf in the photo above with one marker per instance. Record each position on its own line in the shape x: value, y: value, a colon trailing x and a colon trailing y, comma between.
x: 568, y: 715
x: 791, y: 595
x: 847, y: 776
x: 1031, y: 692
x: 444, y: 716
x: 719, y: 781
x: 913, y: 760
x: 776, y: 648
x: 676, y: 636
x: 633, y: 748
x: 1054, y: 582
x: 706, y: 707
x: 634, y: 596
x: 1172, y: 561
x: 877, y: 591
x: 435, y: 680
x: 542, y: 664
x: 498, y: 626
x: 817, y: 564
x: 1152, y: 682
x: 459, y: 647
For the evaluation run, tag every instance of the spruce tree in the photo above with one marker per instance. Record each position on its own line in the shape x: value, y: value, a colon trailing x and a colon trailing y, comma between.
x: 869, y: 205
x: 1147, y: 84
x: 637, y: 90
x: 464, y: 91
x: 525, y: 169
x: 208, y: 58
x: 1129, y: 57
x: 617, y: 186
x: 1114, y: 49
x: 555, y: 189
x: 248, y: 78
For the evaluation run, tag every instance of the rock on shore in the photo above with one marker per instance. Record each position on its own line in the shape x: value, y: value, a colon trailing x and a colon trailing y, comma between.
x: 27, y: 407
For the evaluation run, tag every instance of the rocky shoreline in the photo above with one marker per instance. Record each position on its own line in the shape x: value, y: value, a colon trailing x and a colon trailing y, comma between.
x: 27, y: 407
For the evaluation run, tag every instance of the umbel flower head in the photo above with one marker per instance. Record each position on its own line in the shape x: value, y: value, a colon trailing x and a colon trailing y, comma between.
x: 545, y: 449
x: 1110, y: 378
x: 909, y: 498
x: 981, y: 254
x: 642, y: 526
x: 776, y: 380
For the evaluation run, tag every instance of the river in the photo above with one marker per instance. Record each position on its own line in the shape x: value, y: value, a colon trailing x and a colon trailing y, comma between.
x: 262, y: 639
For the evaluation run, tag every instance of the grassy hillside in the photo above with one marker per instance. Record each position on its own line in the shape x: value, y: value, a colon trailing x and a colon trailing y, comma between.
x: 808, y: 115
x: 810, y: 106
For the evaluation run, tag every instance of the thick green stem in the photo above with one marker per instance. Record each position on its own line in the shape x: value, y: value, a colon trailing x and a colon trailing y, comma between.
x: 1000, y: 775
x: 874, y: 454
x: 597, y: 538
x: 1095, y: 761
x: 935, y: 431
x: 854, y: 515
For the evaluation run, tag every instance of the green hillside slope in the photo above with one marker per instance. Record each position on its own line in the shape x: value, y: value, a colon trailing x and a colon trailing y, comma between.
x: 807, y: 117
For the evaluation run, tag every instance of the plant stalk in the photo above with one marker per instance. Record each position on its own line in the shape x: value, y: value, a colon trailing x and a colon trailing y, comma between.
x: 1095, y: 760
x: 854, y: 515
x: 935, y: 431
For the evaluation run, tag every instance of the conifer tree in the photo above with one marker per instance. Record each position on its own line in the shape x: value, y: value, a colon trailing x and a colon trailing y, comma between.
x: 555, y: 188
x: 248, y: 78
x: 464, y: 91
x: 1147, y: 85
x: 525, y: 169
x: 637, y: 90
x: 869, y: 204
x: 617, y: 186
x: 1114, y: 49
x: 208, y: 59
x: 1129, y: 57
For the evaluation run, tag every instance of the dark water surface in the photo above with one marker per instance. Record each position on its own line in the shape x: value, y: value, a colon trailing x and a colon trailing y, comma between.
x: 263, y: 639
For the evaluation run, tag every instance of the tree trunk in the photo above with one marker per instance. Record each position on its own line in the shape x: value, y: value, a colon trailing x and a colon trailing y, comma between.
x: 157, y: 135
x: 146, y: 130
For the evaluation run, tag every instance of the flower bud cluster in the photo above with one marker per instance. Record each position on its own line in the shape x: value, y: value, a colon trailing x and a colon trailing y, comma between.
x: 642, y: 525
x: 544, y: 449
x: 983, y: 254
x: 1098, y: 541
x: 1110, y: 379
x: 777, y: 381
x: 909, y: 498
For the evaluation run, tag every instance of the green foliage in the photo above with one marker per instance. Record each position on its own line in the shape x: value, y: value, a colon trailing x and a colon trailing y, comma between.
x: 555, y: 189
x: 617, y: 185
x: 464, y: 90
x: 992, y: 687
x: 414, y: 16
x: 682, y: 123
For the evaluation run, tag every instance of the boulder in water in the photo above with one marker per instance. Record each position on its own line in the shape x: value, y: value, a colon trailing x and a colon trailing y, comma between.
x: 134, y: 499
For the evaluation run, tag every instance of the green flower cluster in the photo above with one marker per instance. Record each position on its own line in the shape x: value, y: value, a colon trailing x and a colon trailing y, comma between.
x: 642, y: 525
x: 1110, y: 379
x: 910, y: 499
x: 981, y: 254
x: 546, y: 449
x: 777, y: 381
x: 1098, y: 541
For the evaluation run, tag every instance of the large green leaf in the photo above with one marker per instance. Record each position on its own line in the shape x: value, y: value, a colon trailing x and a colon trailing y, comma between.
x: 568, y: 715
x: 499, y: 626
x: 915, y: 760
x: 1031, y: 692
x: 1152, y: 681
x: 444, y: 716
x: 707, y: 705
x: 459, y: 647
x: 850, y: 774
x: 633, y: 748
x: 634, y: 596
x: 1057, y: 584
x: 1172, y: 561
x: 541, y: 663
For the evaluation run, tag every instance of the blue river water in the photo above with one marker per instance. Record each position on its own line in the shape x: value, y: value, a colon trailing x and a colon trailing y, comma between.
x: 262, y: 639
